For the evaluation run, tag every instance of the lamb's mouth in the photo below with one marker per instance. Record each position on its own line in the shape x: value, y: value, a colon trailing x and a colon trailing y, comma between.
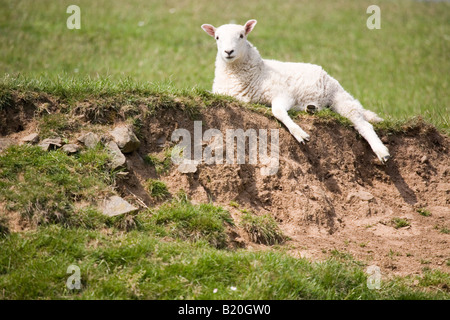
x: 230, y: 57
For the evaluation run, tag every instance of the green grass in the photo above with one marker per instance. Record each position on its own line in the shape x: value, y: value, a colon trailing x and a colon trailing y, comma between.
x: 400, y: 222
x: 179, y: 252
x: 54, y: 125
x: 43, y: 187
x: 234, y: 204
x: 4, y: 226
x: 193, y: 222
x: 424, y: 212
x: 262, y: 229
x: 157, y: 189
x: 140, y: 265
x: 161, y: 162
x: 398, y: 71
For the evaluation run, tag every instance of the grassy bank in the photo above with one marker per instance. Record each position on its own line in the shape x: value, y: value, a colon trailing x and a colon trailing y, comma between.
x: 175, y: 251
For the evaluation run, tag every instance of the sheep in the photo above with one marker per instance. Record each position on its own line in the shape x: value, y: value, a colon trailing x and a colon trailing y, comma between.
x: 240, y: 72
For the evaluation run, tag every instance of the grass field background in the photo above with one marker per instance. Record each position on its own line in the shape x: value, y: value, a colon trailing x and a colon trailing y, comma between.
x: 400, y: 70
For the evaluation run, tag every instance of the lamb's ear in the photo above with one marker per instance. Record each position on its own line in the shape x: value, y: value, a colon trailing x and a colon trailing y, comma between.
x: 249, y: 25
x: 209, y: 29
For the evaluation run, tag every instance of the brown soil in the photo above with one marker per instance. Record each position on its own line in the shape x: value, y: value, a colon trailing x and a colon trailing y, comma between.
x: 329, y: 194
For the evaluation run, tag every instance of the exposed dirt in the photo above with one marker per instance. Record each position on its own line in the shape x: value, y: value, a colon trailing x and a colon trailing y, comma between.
x: 329, y: 194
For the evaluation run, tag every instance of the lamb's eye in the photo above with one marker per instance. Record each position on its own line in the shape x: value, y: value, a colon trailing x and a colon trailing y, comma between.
x: 241, y: 36
x: 217, y: 38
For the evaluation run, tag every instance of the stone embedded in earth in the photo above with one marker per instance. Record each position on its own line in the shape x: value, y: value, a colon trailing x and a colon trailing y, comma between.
x: 32, y: 138
x: 44, y: 146
x: 125, y: 138
x: 187, y: 167
x: 51, y: 143
x: 89, y: 139
x: 118, y: 159
x: 362, y: 195
x: 54, y: 141
x: 71, y: 148
x: 115, y: 206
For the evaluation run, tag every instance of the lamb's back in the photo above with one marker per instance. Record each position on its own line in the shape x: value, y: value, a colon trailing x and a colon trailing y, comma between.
x: 304, y: 82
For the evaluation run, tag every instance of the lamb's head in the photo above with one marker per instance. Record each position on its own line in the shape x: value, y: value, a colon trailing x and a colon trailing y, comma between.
x: 231, y: 39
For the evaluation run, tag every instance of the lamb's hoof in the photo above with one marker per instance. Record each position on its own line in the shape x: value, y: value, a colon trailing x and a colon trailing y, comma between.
x: 303, y: 139
x: 382, y: 153
x: 300, y: 135
x: 385, y: 159
x: 310, y: 108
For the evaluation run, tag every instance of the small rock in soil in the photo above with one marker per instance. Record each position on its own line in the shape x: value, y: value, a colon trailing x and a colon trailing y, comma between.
x: 361, y: 195
x: 51, y: 144
x: 90, y: 140
x: 125, y: 138
x: 71, y: 148
x: 32, y: 138
x: 187, y: 168
x: 118, y: 159
x: 115, y: 206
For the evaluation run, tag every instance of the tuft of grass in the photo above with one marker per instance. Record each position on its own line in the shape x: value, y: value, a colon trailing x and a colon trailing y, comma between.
x: 185, y: 220
x: 54, y: 125
x: 436, y: 279
x: 262, y: 229
x: 4, y: 225
x: 45, y: 186
x: 329, y: 115
x: 424, y: 212
x: 234, y: 204
x: 90, y: 218
x: 157, y: 189
x: 6, y: 100
x: 400, y: 222
x: 182, y: 196
x: 161, y: 162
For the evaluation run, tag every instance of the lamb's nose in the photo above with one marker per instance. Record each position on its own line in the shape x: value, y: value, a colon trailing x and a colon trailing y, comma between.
x: 229, y: 52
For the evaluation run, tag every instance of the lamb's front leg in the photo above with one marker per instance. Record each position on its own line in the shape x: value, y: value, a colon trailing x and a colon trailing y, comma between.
x: 280, y: 107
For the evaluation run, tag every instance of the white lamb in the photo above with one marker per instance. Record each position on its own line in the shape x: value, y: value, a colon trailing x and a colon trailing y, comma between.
x: 242, y: 73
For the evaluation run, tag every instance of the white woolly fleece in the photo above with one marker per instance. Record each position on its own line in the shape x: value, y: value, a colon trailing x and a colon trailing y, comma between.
x: 257, y: 80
